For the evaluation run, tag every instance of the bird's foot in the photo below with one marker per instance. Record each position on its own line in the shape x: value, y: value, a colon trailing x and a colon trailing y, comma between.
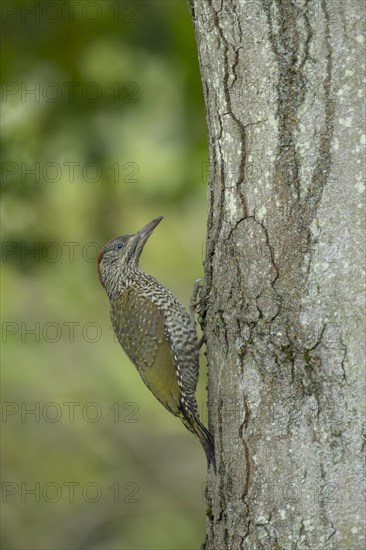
x: 196, y: 306
x: 196, y: 298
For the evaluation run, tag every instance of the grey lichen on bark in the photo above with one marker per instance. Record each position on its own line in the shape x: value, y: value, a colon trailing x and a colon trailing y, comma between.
x: 282, y: 306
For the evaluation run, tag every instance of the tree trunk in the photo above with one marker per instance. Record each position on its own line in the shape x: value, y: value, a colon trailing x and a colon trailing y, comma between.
x: 281, y: 306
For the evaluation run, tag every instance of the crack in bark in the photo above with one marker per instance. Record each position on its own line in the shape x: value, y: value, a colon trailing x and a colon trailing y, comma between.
x: 332, y: 534
x: 274, y: 264
x: 285, y: 47
x: 241, y: 128
x: 248, y: 458
x: 238, y: 20
x: 236, y: 62
x: 224, y: 330
x: 322, y: 170
x: 343, y: 363
x: 309, y: 37
x: 270, y: 248
x: 243, y: 349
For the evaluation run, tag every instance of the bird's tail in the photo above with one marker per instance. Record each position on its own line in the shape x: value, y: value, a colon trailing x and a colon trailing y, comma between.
x: 194, y: 425
x: 207, y: 442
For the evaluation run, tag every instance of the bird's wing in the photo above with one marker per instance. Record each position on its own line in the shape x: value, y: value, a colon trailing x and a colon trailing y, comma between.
x: 140, y: 329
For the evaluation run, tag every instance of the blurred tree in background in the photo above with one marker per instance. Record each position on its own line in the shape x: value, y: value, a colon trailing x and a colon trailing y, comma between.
x: 102, y: 130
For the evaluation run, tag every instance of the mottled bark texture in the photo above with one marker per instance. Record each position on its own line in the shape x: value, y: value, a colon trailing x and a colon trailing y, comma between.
x: 282, y: 303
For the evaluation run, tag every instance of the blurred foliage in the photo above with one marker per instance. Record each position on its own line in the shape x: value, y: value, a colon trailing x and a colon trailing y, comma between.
x: 102, y: 130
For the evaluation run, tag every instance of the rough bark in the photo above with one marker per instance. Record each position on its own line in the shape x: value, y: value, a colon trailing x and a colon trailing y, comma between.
x: 282, y: 302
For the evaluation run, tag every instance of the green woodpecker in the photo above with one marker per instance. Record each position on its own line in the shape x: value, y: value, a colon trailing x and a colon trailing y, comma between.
x: 154, y: 330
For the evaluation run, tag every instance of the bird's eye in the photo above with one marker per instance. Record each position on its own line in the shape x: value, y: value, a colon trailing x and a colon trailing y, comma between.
x: 118, y: 246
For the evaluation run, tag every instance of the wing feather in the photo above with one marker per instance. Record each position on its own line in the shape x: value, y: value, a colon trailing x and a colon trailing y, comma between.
x: 140, y: 329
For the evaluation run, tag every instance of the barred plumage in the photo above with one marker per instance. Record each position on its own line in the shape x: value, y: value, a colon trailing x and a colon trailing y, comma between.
x: 155, y: 330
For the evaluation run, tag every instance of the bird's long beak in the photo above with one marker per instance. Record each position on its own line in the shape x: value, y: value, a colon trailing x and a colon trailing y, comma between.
x: 141, y: 236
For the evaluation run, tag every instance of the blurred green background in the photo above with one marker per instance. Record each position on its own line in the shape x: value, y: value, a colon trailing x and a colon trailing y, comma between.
x: 102, y: 130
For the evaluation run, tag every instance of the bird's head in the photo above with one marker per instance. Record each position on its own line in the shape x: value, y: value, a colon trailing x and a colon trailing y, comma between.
x: 119, y: 258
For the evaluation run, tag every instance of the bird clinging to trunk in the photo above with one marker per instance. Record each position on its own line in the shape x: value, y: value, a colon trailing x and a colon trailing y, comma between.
x: 154, y: 330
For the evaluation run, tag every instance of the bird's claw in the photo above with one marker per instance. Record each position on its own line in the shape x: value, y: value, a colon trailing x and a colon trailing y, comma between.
x: 195, y: 302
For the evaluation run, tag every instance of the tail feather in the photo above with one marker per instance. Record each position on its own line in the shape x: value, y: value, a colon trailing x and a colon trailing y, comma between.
x: 207, y: 442
x: 194, y: 425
